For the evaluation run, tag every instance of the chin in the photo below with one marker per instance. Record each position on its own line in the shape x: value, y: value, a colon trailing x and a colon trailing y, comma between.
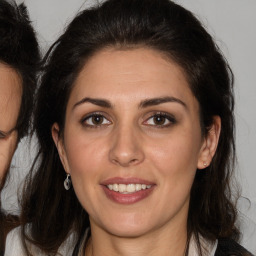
x: 128, y: 225
x: 127, y: 232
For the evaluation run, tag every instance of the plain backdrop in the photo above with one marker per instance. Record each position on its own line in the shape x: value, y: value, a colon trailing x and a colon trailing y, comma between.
x: 232, y: 23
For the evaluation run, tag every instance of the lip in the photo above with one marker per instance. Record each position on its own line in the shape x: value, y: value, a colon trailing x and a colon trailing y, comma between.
x: 127, y: 198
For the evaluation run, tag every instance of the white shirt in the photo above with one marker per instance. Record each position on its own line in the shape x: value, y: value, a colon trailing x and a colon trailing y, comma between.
x: 14, y: 246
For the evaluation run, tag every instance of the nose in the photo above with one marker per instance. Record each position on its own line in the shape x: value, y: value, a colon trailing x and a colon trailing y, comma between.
x: 126, y: 147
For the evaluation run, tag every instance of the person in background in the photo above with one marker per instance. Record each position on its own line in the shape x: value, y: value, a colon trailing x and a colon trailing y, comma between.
x: 19, y: 58
x: 135, y: 115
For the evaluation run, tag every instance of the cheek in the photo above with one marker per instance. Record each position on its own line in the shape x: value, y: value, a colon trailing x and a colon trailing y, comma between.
x: 4, y: 163
x: 175, y: 153
x: 175, y: 171
x: 87, y: 160
x: 86, y: 157
x: 84, y: 154
x: 175, y: 163
x: 7, y: 149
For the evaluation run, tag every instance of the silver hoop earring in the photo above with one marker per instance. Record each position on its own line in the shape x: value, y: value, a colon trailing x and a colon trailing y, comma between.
x: 67, y: 182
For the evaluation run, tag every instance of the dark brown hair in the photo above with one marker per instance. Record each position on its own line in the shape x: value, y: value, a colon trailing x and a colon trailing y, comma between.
x: 18, y: 50
x: 172, y: 30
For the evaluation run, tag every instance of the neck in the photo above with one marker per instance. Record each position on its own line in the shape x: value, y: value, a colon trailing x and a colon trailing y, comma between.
x: 163, y: 241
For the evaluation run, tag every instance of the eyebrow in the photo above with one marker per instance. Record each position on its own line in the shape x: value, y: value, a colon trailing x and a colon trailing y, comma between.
x: 143, y: 104
x: 98, y: 102
x: 161, y: 100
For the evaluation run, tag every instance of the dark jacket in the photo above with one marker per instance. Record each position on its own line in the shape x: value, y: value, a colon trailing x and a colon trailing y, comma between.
x: 228, y: 247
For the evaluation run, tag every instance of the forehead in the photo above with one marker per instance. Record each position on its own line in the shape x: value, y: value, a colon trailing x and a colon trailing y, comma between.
x: 133, y: 73
x: 10, y: 96
x: 10, y: 82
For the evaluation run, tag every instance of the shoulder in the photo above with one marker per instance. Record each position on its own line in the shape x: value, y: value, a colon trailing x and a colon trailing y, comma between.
x: 14, y: 245
x: 228, y: 247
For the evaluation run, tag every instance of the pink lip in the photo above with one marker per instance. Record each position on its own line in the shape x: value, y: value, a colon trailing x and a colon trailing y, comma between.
x: 127, y: 198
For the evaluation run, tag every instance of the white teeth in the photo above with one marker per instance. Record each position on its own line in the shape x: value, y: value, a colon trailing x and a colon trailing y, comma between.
x: 121, y: 188
x: 115, y: 187
x: 138, y: 187
x: 130, y: 188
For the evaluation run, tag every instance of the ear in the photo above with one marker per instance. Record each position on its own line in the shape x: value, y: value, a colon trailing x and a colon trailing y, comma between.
x: 60, y: 146
x: 210, y: 144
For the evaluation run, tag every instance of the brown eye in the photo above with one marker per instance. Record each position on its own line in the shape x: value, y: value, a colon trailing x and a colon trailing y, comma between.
x: 159, y: 120
x: 95, y: 120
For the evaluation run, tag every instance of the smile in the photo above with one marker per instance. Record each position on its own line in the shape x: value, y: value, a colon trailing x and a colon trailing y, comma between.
x: 128, y: 189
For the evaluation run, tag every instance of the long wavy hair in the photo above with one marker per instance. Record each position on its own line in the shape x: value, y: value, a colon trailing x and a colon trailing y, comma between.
x: 20, y: 51
x: 162, y: 25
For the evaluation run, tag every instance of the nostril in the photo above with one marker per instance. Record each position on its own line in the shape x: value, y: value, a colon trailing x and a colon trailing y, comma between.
x: 125, y: 163
x: 114, y: 161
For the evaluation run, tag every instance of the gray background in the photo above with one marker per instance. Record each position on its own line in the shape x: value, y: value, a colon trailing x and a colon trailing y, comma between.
x: 233, y: 24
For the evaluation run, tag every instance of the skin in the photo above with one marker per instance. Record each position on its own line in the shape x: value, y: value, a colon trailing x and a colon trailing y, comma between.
x: 10, y: 98
x: 129, y: 143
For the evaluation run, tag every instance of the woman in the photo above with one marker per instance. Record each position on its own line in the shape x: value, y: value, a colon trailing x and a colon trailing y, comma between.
x: 19, y: 55
x: 136, y: 108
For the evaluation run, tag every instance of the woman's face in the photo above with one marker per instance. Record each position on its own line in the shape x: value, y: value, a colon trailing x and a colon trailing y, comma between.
x: 132, y: 142
x: 10, y: 100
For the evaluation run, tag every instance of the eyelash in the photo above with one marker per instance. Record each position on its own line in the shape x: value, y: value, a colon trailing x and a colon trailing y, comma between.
x: 90, y: 116
x: 2, y: 136
x: 167, y: 118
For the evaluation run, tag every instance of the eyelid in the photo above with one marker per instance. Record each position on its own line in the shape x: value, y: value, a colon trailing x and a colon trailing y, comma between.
x: 4, y: 135
x: 172, y: 120
x: 92, y: 114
